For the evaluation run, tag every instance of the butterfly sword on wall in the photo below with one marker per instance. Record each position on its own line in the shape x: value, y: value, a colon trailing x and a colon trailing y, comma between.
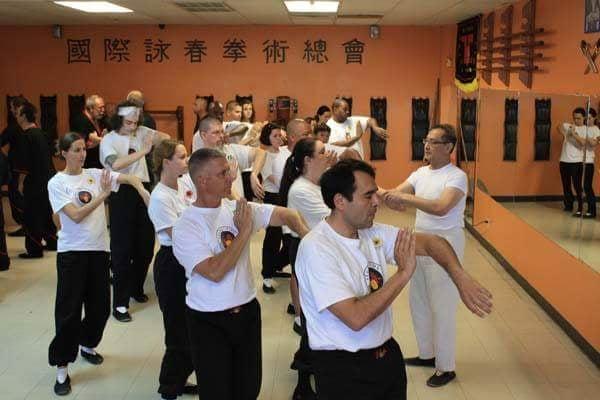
x: 590, y: 53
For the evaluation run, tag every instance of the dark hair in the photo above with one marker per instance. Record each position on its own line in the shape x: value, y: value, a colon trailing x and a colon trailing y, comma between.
x: 340, y: 179
x: 294, y: 166
x: 243, y: 103
x: 449, y: 134
x: 116, y: 120
x: 322, y: 127
x: 592, y: 112
x: 165, y: 150
x: 65, y: 142
x: 200, y: 157
x: 265, y: 133
x: 322, y: 110
x: 29, y: 111
x: 18, y: 101
x: 580, y: 110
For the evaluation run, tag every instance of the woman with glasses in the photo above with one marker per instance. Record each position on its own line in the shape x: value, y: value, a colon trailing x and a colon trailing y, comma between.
x: 132, y: 236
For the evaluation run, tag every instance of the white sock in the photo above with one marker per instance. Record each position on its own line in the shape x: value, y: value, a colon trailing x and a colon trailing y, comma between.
x: 61, y: 374
x: 88, y: 350
x: 298, y: 321
x: 268, y: 282
x: 122, y: 309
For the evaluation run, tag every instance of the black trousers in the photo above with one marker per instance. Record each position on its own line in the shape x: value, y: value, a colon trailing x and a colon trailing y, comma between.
x: 248, y: 193
x: 4, y: 258
x: 37, y: 221
x: 16, y: 199
x: 570, y: 175
x: 227, y: 352
x: 82, y: 281
x: 274, y: 251
x: 588, y: 188
x: 131, y: 244
x: 374, y: 374
x: 169, y: 282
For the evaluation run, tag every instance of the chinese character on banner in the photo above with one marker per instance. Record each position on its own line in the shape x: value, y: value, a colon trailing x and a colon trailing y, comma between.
x: 315, y: 51
x: 79, y: 51
x: 116, y: 50
x: 195, y: 49
x: 354, y: 50
x: 156, y: 50
x: 275, y: 52
x: 234, y: 49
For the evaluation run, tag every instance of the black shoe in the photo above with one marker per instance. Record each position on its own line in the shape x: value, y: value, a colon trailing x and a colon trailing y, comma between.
x: 440, y: 378
x: 50, y: 247
x: 190, y: 388
x: 568, y: 208
x: 122, y: 317
x: 420, y: 362
x: 290, y: 309
x: 298, y: 329
x: 29, y: 255
x: 95, y: 359
x: 141, y: 298
x: 279, y: 274
x: 304, y: 393
x: 268, y: 289
x: 18, y: 233
x: 63, y: 389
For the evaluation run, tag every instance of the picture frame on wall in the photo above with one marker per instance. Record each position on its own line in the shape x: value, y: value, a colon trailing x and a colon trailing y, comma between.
x: 592, y: 16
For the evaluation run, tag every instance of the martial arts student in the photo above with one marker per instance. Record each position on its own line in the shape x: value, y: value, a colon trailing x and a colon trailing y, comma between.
x: 211, y: 240
x: 571, y: 160
x: 239, y: 157
x: 39, y: 169
x: 274, y: 251
x: 344, y: 130
x: 77, y: 195
x: 171, y: 195
x: 346, y: 292
x: 438, y: 191
x: 92, y: 125
x: 131, y: 233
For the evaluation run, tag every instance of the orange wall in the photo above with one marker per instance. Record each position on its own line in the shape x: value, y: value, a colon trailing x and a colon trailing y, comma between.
x: 571, y: 286
x: 404, y: 63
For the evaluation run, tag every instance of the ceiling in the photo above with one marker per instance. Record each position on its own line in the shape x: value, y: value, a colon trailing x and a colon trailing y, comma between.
x: 250, y: 12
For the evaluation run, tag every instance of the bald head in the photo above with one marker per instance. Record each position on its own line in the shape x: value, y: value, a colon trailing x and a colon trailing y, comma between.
x: 340, y: 110
x: 296, y: 129
x: 137, y: 97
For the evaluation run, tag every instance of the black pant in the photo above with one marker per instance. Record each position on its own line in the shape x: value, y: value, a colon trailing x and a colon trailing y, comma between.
x: 374, y: 374
x: 570, y: 174
x: 227, y: 352
x: 274, y: 251
x: 38, y: 221
x: 17, y: 202
x: 248, y: 193
x: 588, y: 188
x: 4, y: 259
x: 82, y: 281
x: 131, y: 244
x: 169, y: 281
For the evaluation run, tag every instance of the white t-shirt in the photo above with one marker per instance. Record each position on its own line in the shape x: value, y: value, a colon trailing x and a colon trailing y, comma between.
x: 592, y: 133
x: 201, y: 233
x: 91, y: 233
x: 166, y: 206
x: 429, y: 184
x: 274, y: 165
x: 197, y: 142
x: 229, y: 126
x: 240, y: 154
x: 331, y: 268
x: 346, y: 130
x: 338, y: 150
x: 306, y: 197
x: 570, y: 153
x: 122, y: 145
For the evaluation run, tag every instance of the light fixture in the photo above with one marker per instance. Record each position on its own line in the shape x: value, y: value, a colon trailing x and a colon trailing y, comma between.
x: 312, y: 6
x: 94, y: 6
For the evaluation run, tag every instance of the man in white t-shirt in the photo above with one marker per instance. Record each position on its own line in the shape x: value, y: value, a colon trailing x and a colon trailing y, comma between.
x: 240, y: 157
x: 211, y: 240
x: 347, y: 131
x: 346, y: 291
x: 438, y: 191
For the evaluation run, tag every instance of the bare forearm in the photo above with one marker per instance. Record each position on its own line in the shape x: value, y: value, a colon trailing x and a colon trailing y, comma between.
x: 78, y: 214
x: 215, y: 268
x: 295, y: 222
x: 259, y: 161
x: 125, y: 161
x: 429, y: 206
x: 442, y: 253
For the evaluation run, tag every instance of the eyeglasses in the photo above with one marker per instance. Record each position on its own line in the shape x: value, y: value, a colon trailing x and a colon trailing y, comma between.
x: 430, y: 141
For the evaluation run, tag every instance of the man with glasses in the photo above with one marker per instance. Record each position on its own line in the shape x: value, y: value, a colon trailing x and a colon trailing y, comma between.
x: 91, y: 124
x: 438, y: 192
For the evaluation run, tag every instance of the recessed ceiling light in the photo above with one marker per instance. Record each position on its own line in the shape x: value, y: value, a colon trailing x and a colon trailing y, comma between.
x: 94, y: 6
x: 312, y: 6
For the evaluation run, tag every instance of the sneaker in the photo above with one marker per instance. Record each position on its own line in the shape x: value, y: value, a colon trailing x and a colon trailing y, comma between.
x: 29, y: 255
x: 63, y: 389
x: 122, y: 317
x: 420, y: 362
x: 268, y: 289
x: 577, y: 214
x: 95, y: 359
x: 588, y: 215
x: 140, y: 298
x: 190, y: 388
x: 440, y: 378
x: 290, y: 309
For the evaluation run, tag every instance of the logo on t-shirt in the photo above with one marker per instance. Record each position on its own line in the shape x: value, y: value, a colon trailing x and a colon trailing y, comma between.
x: 373, y: 276
x: 225, y: 236
x: 84, y: 196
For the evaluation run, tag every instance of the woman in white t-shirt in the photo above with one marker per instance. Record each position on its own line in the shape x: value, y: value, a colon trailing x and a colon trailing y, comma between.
x: 173, y: 194
x: 274, y: 255
x: 131, y: 232
x: 77, y: 196
x: 571, y: 160
x: 300, y: 191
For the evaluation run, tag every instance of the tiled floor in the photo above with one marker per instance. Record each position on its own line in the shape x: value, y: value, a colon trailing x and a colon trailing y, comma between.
x: 516, y: 353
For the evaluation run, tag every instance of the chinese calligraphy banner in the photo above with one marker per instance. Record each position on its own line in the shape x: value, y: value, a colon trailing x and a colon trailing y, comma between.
x: 467, y: 38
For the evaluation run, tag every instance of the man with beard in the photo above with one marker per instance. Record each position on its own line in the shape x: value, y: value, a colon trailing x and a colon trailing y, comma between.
x: 92, y: 125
